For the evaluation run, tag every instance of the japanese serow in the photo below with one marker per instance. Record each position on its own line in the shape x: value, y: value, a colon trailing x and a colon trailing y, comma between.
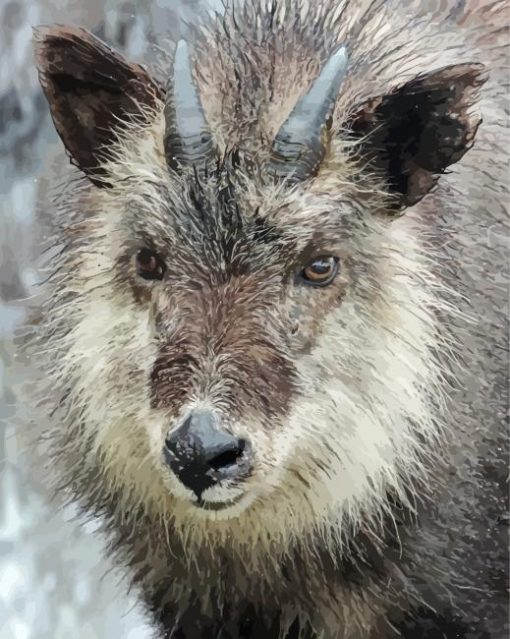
x: 269, y: 334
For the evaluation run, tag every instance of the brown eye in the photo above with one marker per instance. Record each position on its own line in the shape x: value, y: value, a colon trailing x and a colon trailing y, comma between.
x: 321, y: 271
x: 149, y: 265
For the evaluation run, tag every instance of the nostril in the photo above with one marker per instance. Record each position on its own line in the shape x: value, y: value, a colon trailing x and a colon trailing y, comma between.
x: 202, y: 454
x: 228, y: 457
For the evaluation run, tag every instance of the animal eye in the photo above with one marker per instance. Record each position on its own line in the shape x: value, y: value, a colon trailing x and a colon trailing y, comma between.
x: 321, y: 271
x: 149, y: 265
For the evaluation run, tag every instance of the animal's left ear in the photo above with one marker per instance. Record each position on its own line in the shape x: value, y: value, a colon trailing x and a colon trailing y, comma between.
x: 91, y: 91
x: 415, y: 133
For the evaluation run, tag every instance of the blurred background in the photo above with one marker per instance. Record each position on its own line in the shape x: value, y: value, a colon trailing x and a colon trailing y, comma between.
x: 55, y: 580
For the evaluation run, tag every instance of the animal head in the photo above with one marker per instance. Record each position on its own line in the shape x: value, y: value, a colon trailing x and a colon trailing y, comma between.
x: 240, y: 332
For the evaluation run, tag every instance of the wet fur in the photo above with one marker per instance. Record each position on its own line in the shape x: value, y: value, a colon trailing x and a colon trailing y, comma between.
x: 365, y: 432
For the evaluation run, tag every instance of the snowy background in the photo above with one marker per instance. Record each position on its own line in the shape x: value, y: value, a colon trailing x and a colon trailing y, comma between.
x: 55, y: 583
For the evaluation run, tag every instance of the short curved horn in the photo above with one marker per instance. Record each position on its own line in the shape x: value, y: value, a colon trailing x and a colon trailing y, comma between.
x: 187, y: 139
x: 298, y: 148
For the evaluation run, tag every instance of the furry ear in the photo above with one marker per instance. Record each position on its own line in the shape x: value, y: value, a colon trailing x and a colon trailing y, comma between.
x: 90, y: 89
x: 414, y: 133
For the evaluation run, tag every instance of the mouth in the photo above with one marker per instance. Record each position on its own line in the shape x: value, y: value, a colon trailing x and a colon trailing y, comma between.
x: 217, y: 505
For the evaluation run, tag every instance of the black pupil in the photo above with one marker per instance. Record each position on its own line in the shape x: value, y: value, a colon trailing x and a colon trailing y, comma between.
x: 146, y: 259
x: 321, y: 266
x: 149, y: 265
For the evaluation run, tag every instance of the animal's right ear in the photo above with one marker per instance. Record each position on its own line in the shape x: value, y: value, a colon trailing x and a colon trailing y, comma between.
x: 413, y: 134
x: 91, y: 90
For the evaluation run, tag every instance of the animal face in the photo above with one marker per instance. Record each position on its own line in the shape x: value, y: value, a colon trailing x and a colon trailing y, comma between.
x: 236, y: 297
x: 243, y: 338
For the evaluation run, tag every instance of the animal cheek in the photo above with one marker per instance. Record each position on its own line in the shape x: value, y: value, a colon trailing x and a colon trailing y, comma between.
x: 126, y: 453
x: 155, y: 429
x: 272, y: 452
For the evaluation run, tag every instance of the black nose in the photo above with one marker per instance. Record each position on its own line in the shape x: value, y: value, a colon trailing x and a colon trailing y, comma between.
x: 201, y: 454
